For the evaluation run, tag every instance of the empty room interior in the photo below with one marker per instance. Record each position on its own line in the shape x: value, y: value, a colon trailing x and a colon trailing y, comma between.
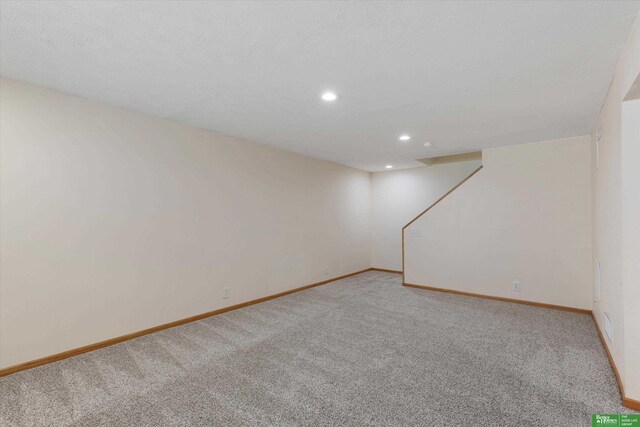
x: 308, y: 213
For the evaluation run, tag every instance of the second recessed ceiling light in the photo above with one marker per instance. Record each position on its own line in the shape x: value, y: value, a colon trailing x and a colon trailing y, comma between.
x: 329, y: 96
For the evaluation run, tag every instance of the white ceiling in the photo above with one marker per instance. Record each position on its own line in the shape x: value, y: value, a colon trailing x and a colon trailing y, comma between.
x: 461, y: 75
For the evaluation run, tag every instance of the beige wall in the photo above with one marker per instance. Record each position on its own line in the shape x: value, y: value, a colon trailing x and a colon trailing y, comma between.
x: 612, y: 238
x: 398, y: 196
x: 631, y: 244
x: 524, y: 217
x: 113, y: 221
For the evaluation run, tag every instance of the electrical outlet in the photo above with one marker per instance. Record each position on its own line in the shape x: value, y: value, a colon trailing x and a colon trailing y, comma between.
x: 225, y: 293
x: 517, y: 287
x: 326, y: 271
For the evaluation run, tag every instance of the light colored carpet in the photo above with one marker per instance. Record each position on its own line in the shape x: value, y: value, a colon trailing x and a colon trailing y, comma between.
x: 361, y: 351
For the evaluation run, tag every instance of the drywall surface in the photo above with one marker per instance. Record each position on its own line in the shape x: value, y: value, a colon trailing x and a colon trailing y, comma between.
x: 524, y: 217
x: 398, y: 196
x: 631, y: 243
x: 113, y: 221
x: 614, y: 180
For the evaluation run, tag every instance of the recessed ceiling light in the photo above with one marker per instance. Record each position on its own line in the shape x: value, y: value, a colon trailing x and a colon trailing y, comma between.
x: 388, y: 166
x: 404, y: 137
x: 329, y: 96
x: 427, y: 144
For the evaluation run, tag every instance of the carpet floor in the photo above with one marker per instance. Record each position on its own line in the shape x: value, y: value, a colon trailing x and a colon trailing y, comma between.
x: 360, y: 351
